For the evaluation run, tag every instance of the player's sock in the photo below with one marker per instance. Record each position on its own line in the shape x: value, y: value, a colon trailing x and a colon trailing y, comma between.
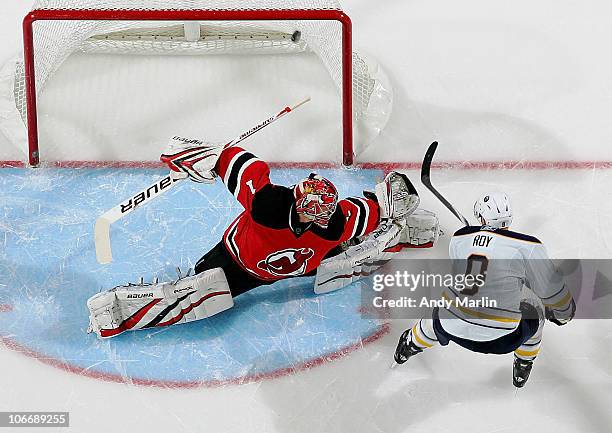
x: 525, y: 354
x: 529, y: 350
x: 422, y: 334
x: 524, y: 357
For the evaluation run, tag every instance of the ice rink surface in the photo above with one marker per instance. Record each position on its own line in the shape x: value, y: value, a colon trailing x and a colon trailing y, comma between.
x: 523, y: 84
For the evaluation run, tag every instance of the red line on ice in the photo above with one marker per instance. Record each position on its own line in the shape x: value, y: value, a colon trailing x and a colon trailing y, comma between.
x: 109, y: 377
x: 11, y: 164
x: 410, y: 165
x: 6, y: 308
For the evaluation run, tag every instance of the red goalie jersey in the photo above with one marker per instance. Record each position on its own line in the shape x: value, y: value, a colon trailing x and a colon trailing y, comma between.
x: 268, y: 240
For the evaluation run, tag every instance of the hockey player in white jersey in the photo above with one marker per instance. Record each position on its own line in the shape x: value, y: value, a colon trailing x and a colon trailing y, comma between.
x: 513, y: 265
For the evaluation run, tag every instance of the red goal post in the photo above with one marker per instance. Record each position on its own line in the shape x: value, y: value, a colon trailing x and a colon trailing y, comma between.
x: 186, y: 15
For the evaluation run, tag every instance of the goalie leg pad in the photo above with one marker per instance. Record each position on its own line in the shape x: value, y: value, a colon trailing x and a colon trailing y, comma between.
x: 144, y: 306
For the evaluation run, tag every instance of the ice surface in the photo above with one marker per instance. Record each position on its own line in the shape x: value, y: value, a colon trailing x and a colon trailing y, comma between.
x: 517, y: 82
x: 282, y: 359
x: 50, y: 269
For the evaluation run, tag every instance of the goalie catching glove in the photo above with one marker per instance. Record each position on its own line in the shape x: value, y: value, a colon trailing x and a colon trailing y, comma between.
x: 192, y: 158
x: 396, y: 196
x: 142, y: 306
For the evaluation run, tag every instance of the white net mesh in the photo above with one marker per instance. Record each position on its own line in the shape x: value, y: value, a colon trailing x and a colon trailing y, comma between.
x: 55, y: 41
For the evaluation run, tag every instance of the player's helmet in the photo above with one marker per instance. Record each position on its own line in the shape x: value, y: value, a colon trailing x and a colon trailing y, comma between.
x: 493, y: 210
x: 317, y: 198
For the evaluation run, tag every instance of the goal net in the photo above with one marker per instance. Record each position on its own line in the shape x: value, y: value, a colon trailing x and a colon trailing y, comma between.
x: 261, y: 42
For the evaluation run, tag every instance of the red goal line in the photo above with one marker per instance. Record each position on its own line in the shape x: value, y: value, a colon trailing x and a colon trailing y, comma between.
x: 410, y: 165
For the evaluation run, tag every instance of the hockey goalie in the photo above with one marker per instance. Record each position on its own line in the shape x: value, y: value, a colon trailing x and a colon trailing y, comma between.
x: 283, y: 232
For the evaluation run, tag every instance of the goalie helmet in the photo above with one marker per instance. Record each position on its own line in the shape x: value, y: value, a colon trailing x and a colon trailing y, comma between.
x: 317, y: 198
x: 493, y: 210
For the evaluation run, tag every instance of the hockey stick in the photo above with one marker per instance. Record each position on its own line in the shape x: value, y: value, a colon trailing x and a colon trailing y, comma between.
x: 104, y: 222
x: 265, y: 123
x: 426, y: 179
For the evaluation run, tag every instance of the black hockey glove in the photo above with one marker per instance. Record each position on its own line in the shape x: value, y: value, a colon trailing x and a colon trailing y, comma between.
x: 561, y: 318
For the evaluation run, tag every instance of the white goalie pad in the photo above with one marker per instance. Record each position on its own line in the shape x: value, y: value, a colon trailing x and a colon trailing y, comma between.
x: 192, y: 158
x: 418, y: 230
x: 142, y: 306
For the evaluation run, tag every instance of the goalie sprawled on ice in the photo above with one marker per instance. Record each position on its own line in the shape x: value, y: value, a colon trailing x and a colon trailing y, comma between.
x: 283, y: 232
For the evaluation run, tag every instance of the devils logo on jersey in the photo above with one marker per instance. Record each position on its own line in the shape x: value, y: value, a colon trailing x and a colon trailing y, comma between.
x: 286, y: 262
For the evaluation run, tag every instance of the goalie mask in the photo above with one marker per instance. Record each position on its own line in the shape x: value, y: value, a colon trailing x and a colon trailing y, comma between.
x: 317, y: 198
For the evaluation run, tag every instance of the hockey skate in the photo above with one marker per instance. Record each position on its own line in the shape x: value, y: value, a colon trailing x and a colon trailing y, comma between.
x: 520, y: 371
x: 405, y: 348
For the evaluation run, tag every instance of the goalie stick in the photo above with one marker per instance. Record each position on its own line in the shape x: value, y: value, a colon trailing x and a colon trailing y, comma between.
x: 104, y: 221
x: 426, y: 179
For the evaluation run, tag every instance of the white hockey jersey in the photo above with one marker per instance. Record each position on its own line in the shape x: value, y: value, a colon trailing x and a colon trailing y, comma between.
x: 509, y: 261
